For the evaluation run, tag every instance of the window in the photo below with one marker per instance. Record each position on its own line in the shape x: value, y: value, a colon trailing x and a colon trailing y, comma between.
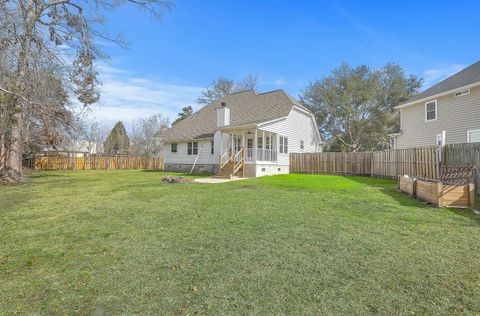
x: 260, y: 142
x: 192, y: 148
x: 195, y: 148
x: 283, y: 145
x: 463, y: 92
x: 212, y: 147
x: 173, y: 147
x: 267, y: 142
x: 473, y: 136
x: 302, y: 145
x: 431, y: 110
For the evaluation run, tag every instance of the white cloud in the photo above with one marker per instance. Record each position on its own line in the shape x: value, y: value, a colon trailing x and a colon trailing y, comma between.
x: 126, y: 97
x: 435, y: 75
x: 279, y: 82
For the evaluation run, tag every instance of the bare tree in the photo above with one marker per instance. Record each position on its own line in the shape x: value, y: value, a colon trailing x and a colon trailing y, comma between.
x: 95, y: 134
x: 38, y: 32
x: 146, y: 139
x: 221, y: 87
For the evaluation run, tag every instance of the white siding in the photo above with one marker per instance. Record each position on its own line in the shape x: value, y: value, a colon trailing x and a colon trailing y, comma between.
x: 221, y: 144
x: 223, y: 116
x: 181, y: 156
x: 297, y: 126
x: 455, y: 115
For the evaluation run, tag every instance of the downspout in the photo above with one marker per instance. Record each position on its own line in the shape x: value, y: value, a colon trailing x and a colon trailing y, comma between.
x: 196, y: 158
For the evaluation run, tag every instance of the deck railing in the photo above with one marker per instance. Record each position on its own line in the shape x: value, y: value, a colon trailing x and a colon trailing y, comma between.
x: 266, y: 155
x: 262, y: 154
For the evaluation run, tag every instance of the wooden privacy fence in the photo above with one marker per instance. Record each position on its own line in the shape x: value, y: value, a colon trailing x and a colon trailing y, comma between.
x: 94, y: 163
x: 416, y: 162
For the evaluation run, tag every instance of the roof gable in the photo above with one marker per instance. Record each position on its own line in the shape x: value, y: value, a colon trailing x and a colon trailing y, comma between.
x: 465, y: 77
x: 246, y: 107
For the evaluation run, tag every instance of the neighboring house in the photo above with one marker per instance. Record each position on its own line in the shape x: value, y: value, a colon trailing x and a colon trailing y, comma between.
x: 447, y: 113
x: 76, y: 148
x: 244, y: 133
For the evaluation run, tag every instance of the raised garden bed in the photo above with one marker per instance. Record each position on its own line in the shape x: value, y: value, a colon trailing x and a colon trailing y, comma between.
x: 406, y: 185
x: 438, y: 193
x: 446, y: 195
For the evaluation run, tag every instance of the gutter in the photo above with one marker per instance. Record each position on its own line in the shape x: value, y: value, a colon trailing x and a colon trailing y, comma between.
x: 473, y: 85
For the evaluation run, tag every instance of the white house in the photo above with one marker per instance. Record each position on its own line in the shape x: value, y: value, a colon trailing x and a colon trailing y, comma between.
x: 244, y: 134
x: 446, y: 113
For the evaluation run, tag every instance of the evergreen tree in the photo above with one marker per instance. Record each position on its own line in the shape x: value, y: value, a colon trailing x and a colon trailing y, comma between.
x: 117, y: 142
x: 186, y: 112
x: 354, y: 107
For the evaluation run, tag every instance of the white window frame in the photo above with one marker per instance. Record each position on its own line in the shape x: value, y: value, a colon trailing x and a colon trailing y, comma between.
x: 468, y: 134
x: 191, y: 148
x: 283, y: 148
x: 462, y: 93
x: 436, y: 110
x: 176, y: 148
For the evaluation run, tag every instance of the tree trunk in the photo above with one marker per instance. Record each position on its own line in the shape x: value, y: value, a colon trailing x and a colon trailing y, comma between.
x: 12, y: 169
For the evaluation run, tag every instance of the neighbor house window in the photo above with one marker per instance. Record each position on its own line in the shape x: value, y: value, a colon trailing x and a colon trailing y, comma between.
x: 283, y: 145
x: 431, y: 110
x: 192, y: 148
x: 212, y: 147
x: 302, y: 145
x: 174, y: 147
x: 473, y: 136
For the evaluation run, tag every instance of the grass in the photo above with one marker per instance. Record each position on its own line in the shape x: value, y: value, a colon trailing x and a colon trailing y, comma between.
x: 110, y: 242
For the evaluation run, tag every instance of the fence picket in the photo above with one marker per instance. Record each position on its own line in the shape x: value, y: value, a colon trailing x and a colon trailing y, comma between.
x: 93, y: 163
x: 420, y: 162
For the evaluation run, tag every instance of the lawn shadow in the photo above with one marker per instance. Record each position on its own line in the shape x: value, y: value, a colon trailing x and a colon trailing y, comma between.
x: 43, y: 174
x: 152, y: 170
x: 389, y: 187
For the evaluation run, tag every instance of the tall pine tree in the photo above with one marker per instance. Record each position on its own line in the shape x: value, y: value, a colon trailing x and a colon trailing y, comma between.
x: 117, y: 142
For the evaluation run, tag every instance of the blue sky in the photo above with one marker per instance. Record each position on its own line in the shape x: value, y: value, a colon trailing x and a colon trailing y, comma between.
x: 287, y: 43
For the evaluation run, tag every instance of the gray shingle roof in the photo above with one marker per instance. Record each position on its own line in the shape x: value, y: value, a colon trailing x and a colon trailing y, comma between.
x: 245, y: 107
x: 467, y: 76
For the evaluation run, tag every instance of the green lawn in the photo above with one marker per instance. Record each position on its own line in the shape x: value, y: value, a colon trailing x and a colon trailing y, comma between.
x: 110, y: 242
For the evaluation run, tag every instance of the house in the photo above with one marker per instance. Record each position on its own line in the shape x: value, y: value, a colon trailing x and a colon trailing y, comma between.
x: 245, y: 134
x: 74, y: 148
x: 446, y: 113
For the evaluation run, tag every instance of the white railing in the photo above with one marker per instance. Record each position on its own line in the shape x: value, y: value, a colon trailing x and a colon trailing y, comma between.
x: 266, y: 155
x: 224, y: 159
x: 238, y: 160
x: 249, y: 154
x: 262, y: 155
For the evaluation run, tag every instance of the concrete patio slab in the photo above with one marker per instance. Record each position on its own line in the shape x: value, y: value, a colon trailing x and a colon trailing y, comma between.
x: 217, y: 180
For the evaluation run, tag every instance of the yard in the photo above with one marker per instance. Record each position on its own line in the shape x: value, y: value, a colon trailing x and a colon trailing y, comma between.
x: 110, y: 242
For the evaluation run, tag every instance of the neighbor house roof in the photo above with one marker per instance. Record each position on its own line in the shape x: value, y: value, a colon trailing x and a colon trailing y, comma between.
x: 246, y: 108
x: 466, y: 77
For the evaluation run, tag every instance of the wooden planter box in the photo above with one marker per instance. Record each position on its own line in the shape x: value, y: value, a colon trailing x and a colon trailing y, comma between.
x: 446, y: 195
x: 407, y: 185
